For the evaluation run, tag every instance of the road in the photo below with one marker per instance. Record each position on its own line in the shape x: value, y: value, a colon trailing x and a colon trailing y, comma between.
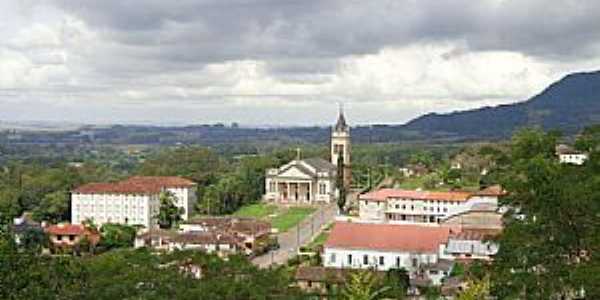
x: 302, y: 234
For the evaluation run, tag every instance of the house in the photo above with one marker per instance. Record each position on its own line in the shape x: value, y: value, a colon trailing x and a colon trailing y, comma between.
x: 211, y: 234
x: 134, y: 201
x: 414, y: 170
x: 568, y: 155
x: 23, y: 226
x: 400, y: 206
x: 253, y: 235
x: 70, y: 237
x: 312, y: 180
x: 222, y: 243
x: 383, y: 246
x: 436, y: 272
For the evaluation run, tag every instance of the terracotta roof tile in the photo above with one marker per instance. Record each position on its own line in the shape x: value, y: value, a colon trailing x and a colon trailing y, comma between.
x: 385, y: 194
x: 65, y: 229
x: 135, y: 185
x: 387, y: 237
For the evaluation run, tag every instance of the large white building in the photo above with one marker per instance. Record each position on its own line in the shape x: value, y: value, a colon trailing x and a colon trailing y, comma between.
x: 312, y: 180
x: 383, y: 246
x: 409, y: 206
x: 134, y: 201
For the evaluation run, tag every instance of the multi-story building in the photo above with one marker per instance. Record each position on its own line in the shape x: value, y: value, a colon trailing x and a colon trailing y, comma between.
x: 424, y: 207
x: 135, y: 201
x: 312, y: 180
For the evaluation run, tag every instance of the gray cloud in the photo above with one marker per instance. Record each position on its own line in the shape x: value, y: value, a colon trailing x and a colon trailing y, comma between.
x: 274, y: 54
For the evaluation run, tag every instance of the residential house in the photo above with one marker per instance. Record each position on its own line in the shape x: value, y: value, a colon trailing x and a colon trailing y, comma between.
x: 70, y: 237
x: 568, y: 155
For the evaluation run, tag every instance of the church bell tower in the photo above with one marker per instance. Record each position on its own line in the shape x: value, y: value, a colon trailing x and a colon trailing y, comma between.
x: 340, y: 146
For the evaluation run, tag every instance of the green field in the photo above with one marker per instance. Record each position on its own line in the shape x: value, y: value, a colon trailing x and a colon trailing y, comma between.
x: 290, y: 217
x: 258, y: 210
x: 281, y: 218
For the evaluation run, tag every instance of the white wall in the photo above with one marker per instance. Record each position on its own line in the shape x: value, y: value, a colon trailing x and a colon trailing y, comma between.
x: 576, y: 159
x: 114, y: 208
x: 390, y: 259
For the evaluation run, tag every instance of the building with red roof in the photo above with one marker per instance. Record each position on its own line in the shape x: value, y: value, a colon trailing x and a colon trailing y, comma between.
x: 67, y: 237
x: 383, y: 246
x: 133, y: 201
x: 415, y: 206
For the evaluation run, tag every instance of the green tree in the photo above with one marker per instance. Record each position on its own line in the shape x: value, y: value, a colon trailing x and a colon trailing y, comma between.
x: 476, y: 290
x: 340, y: 183
x: 117, y: 236
x: 362, y: 286
x: 168, y: 213
x: 549, y: 246
x: 54, y: 207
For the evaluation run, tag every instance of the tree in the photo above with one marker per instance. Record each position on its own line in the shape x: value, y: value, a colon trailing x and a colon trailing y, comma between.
x: 549, y: 246
x: 476, y: 290
x: 340, y: 183
x: 168, y: 213
x: 362, y: 286
x: 54, y: 207
x: 398, y: 282
x: 117, y: 236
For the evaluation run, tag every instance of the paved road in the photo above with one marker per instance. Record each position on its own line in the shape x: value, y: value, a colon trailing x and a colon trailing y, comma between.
x: 302, y: 234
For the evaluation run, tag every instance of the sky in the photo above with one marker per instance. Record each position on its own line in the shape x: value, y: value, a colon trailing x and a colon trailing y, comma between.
x: 283, y: 62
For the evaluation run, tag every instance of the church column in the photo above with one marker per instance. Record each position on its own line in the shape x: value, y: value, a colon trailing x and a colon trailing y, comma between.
x: 310, y: 195
x: 288, y: 191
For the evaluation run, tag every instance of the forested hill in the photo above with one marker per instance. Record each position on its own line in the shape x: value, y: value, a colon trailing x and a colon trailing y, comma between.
x: 568, y: 104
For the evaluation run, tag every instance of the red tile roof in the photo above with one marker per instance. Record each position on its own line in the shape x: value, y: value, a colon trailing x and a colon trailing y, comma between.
x: 65, y: 229
x: 387, y: 237
x: 135, y: 185
x: 385, y: 194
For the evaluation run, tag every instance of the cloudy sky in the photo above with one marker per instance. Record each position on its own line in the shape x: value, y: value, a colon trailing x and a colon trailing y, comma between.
x: 283, y: 62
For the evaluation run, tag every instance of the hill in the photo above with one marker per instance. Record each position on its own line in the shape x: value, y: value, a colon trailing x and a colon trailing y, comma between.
x: 568, y: 105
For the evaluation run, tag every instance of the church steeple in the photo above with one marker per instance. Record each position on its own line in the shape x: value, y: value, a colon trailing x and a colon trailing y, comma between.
x: 341, y: 125
x: 340, y: 140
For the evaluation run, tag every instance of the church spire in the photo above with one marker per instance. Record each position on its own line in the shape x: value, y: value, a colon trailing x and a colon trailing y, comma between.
x: 341, y: 122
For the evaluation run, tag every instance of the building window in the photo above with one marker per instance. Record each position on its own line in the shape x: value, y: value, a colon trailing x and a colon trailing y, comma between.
x: 398, y: 262
x: 322, y: 188
x: 403, y: 206
x: 365, y: 259
x: 350, y: 259
x: 381, y: 260
x: 332, y: 258
x: 272, y: 187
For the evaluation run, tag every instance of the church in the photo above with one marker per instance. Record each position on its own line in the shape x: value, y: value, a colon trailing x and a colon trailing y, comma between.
x: 312, y: 180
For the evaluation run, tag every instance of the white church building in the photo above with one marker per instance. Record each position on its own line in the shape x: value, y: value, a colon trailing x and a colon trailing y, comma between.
x: 311, y: 180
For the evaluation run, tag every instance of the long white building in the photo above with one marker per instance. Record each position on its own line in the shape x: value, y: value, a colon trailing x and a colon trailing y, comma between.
x: 134, y: 201
x: 383, y: 246
x: 409, y: 207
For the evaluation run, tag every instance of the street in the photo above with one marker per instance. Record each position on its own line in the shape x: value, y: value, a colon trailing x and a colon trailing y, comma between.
x: 297, y: 236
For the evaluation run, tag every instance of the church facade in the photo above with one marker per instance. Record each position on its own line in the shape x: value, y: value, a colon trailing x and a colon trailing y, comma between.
x: 312, y: 180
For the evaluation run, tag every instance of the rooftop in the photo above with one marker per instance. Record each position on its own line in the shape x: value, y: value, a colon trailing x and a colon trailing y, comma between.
x: 135, y: 185
x: 385, y: 194
x: 387, y: 237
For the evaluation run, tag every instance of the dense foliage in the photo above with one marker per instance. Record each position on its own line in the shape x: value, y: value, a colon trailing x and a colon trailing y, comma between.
x: 550, y: 246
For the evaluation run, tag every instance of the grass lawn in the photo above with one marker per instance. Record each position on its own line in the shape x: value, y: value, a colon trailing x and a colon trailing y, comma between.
x: 319, y: 240
x: 291, y: 217
x: 258, y: 210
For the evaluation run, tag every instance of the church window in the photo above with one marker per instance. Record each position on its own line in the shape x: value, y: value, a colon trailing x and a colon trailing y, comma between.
x: 322, y: 188
x: 365, y: 259
x: 381, y: 260
x: 350, y: 259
